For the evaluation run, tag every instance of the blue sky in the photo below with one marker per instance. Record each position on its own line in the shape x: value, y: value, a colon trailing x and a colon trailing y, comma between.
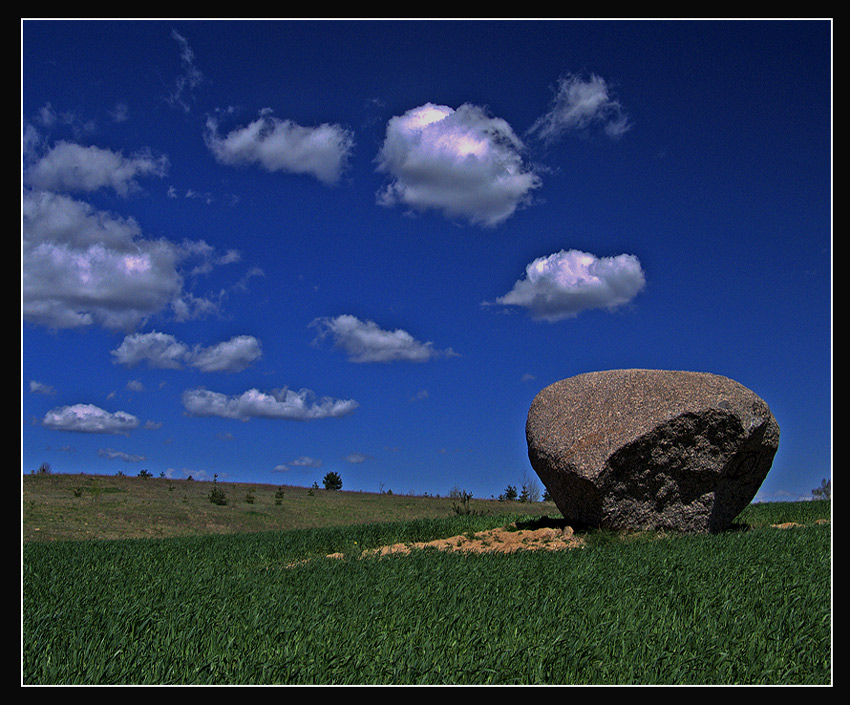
x: 269, y: 250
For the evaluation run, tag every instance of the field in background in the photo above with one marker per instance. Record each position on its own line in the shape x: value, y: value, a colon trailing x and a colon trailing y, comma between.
x: 61, y: 507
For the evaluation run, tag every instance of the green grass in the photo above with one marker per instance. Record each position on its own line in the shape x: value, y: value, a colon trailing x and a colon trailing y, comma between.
x: 749, y: 606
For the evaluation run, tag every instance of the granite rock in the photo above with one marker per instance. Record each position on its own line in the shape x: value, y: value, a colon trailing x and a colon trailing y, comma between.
x: 639, y: 449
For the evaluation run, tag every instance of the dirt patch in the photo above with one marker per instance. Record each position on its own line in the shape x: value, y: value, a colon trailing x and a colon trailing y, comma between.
x: 538, y: 535
x: 502, y: 540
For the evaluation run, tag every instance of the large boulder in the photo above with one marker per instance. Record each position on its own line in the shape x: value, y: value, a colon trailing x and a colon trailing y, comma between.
x: 636, y: 449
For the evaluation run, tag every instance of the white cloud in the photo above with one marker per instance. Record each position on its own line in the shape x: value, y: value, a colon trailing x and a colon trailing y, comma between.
x: 166, y: 352
x: 84, y: 267
x: 41, y: 388
x: 157, y: 349
x: 460, y: 162
x: 278, y: 404
x: 306, y: 461
x: 282, y: 145
x: 113, y: 454
x: 88, y: 418
x: 357, y: 458
x: 231, y: 355
x: 566, y: 283
x: 71, y: 168
x: 364, y: 341
x: 580, y: 103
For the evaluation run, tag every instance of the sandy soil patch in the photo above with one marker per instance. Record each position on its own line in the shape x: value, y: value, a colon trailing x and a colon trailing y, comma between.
x: 502, y: 540
x: 506, y: 539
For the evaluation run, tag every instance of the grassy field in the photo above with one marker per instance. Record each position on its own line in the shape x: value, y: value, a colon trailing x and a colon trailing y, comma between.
x: 244, y: 593
x: 71, y: 507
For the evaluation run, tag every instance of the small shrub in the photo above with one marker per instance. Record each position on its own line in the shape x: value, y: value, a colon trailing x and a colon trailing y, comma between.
x: 217, y: 495
x: 464, y: 508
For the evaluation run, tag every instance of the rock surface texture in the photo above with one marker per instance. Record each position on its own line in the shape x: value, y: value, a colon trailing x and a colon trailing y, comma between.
x: 638, y: 449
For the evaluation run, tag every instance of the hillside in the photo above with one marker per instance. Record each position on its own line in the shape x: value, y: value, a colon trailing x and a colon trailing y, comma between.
x: 60, y: 506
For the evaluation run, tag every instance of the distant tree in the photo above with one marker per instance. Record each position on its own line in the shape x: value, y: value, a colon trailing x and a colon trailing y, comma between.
x: 530, y: 489
x: 145, y: 473
x: 332, y: 481
x: 43, y: 469
x: 509, y: 494
x: 217, y: 495
x: 824, y: 491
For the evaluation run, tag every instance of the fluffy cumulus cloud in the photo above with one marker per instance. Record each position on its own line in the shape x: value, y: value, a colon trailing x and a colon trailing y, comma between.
x: 282, y: 145
x: 88, y: 418
x: 462, y: 162
x: 286, y: 404
x: 83, y: 267
x: 365, y: 341
x: 164, y: 351
x: 566, y: 283
x: 70, y: 168
x: 580, y: 103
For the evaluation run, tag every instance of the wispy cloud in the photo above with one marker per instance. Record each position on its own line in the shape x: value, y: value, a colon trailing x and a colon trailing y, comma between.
x: 462, y: 163
x: 302, y: 462
x: 283, y: 404
x: 282, y: 145
x: 365, y: 341
x: 113, y: 454
x: 568, y: 282
x: 582, y: 102
x: 305, y: 461
x: 164, y: 351
x: 41, y: 388
x: 189, y: 78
